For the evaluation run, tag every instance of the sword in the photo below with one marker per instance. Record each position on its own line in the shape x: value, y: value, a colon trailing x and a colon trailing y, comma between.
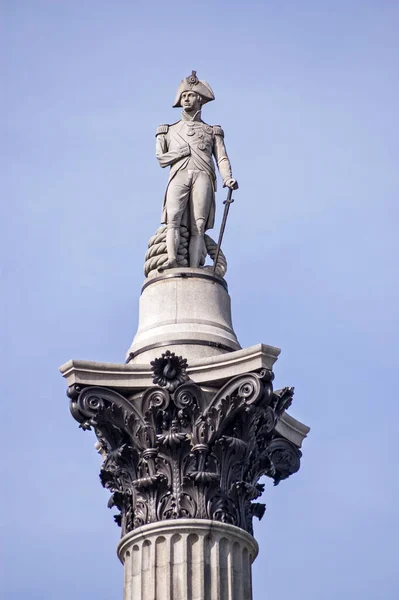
x: 226, y: 203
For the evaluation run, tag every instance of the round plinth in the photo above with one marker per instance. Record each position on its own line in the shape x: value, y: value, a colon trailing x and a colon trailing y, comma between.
x: 188, y: 559
x: 187, y: 311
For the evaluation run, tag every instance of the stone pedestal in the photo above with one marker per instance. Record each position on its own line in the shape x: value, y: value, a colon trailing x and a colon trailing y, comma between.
x: 186, y: 310
x: 186, y: 430
x: 188, y: 559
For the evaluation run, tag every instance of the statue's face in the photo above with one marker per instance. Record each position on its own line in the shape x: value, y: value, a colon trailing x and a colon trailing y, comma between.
x: 190, y: 101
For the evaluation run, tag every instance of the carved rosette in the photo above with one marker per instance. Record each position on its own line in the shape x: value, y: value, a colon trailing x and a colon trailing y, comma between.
x: 185, y: 452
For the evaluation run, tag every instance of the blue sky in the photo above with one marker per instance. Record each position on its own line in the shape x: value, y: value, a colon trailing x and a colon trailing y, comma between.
x: 307, y: 93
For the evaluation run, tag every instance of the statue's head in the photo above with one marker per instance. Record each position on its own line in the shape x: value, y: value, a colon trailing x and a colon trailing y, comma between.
x: 193, y: 93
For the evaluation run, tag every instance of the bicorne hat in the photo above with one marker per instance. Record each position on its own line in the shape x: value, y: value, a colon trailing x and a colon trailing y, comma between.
x: 193, y: 84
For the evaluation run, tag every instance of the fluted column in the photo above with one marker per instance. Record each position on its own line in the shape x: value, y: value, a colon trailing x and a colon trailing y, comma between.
x: 188, y: 559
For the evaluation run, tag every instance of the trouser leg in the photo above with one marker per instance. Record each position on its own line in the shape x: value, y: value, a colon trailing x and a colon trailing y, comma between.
x: 172, y: 242
x: 200, y: 205
x: 176, y: 202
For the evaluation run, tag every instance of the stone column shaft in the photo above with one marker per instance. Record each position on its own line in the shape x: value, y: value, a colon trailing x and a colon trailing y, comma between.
x: 188, y: 559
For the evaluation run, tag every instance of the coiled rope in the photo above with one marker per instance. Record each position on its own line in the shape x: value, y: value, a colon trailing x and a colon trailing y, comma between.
x: 156, y: 254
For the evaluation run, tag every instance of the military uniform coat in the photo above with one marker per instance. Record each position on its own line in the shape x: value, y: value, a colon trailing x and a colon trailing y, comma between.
x: 192, y: 144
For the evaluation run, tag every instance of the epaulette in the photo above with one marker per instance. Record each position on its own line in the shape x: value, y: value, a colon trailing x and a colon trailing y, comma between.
x: 217, y: 130
x: 162, y: 129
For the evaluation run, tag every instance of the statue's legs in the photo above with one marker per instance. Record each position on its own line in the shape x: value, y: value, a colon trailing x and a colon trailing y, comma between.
x: 196, y: 187
x: 176, y: 201
x: 200, y: 205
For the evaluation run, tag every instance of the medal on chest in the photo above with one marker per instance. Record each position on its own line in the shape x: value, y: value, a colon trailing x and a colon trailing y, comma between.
x: 200, y: 135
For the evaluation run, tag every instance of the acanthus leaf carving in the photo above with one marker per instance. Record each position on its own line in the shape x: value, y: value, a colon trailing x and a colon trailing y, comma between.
x: 183, y: 452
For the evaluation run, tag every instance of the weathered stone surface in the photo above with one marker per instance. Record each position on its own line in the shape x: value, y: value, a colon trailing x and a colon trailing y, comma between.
x: 212, y: 370
x: 188, y: 559
x: 188, y: 309
x: 192, y: 451
x: 292, y: 429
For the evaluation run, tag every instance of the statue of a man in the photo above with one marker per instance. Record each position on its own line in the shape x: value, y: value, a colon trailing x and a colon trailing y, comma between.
x: 188, y: 147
